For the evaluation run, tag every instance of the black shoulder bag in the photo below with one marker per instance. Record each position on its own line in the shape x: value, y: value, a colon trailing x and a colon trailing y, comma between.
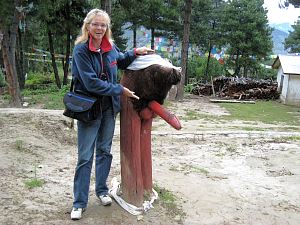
x: 81, y: 106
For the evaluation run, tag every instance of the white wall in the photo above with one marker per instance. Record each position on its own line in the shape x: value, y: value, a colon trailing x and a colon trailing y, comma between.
x: 293, y: 93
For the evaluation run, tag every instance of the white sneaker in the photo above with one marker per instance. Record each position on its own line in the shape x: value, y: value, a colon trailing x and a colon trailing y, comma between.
x: 77, y: 213
x: 105, y: 199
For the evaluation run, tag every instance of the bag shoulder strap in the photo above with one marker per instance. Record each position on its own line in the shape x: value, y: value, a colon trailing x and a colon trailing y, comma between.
x: 72, y: 85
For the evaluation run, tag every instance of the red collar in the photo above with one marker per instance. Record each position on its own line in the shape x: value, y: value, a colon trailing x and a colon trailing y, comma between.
x: 105, y: 45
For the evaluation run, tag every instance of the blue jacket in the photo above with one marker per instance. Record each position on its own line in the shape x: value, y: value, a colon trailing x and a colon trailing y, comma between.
x: 87, y: 64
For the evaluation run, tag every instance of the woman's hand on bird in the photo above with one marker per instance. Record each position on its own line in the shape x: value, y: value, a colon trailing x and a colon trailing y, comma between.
x: 130, y: 93
x: 144, y: 51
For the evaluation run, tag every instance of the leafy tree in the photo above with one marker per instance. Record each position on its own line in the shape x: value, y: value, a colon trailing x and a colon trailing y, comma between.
x: 201, y: 23
x: 197, y: 66
x: 118, y: 21
x: 59, y: 18
x: 172, y: 20
x: 202, y: 26
x: 161, y: 17
x: 292, y: 42
x: 71, y: 14
x: 246, y: 33
x: 47, y: 11
x: 205, y: 27
x: 286, y: 3
x: 25, y: 10
x: 133, y: 12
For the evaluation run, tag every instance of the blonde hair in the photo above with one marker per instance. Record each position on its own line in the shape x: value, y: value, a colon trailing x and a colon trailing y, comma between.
x: 84, y: 36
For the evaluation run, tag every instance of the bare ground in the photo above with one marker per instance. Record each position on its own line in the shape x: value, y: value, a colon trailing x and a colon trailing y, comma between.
x: 222, y: 172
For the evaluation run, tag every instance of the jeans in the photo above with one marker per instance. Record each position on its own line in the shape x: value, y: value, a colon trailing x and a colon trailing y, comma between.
x: 97, y: 135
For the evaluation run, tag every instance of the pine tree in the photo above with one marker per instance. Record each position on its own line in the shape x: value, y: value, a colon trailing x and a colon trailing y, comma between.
x: 60, y: 20
x: 161, y: 17
x: 292, y: 42
x: 247, y: 34
x: 133, y: 14
x: 286, y: 3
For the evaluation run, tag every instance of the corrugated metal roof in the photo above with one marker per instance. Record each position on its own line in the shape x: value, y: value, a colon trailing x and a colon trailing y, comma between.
x: 290, y: 63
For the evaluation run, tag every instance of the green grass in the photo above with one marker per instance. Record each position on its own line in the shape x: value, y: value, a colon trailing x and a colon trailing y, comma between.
x: 165, y: 195
x: 169, y: 201
x: 199, y: 170
x: 174, y: 168
x: 190, y: 169
x: 50, y: 97
x: 194, y: 169
x: 250, y: 128
x: 286, y: 139
x: 19, y: 145
x: 191, y: 115
x: 269, y: 112
x: 168, y: 104
x: 195, y: 115
x: 157, y: 126
x: 231, y: 148
x: 34, y: 183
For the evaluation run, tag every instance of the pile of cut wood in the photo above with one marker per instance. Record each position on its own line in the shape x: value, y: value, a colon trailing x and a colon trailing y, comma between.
x: 238, y: 88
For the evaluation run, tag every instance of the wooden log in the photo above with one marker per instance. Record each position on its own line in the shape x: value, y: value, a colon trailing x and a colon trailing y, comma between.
x: 230, y: 101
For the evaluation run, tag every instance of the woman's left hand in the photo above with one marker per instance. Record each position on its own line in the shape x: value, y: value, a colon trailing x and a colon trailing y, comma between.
x: 144, y: 51
x: 130, y: 93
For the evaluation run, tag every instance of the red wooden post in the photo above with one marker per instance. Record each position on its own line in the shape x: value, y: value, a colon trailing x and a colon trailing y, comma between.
x: 131, y: 172
x: 146, y: 158
x: 135, y: 145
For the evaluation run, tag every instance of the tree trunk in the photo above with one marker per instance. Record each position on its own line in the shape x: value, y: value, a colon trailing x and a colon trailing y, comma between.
x: 184, y: 49
x: 20, y: 61
x: 152, y: 38
x: 245, y: 71
x: 207, y: 64
x: 134, y: 36
x: 237, y: 63
x: 57, y: 79
x: 10, y: 69
x: 67, y: 59
x: 106, y: 5
x: 9, y: 60
x: 208, y: 57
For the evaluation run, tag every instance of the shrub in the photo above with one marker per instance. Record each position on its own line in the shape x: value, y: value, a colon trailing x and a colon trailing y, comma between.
x: 37, y: 78
x: 2, y: 79
x: 265, y: 73
x: 197, y: 66
x: 188, y: 88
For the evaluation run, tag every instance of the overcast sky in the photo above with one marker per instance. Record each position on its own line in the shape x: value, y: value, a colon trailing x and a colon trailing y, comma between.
x: 277, y: 15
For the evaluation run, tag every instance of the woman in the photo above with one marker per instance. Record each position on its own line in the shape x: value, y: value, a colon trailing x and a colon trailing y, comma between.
x: 94, y: 69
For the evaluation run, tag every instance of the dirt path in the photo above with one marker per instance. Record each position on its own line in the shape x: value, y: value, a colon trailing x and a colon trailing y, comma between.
x: 222, y: 172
